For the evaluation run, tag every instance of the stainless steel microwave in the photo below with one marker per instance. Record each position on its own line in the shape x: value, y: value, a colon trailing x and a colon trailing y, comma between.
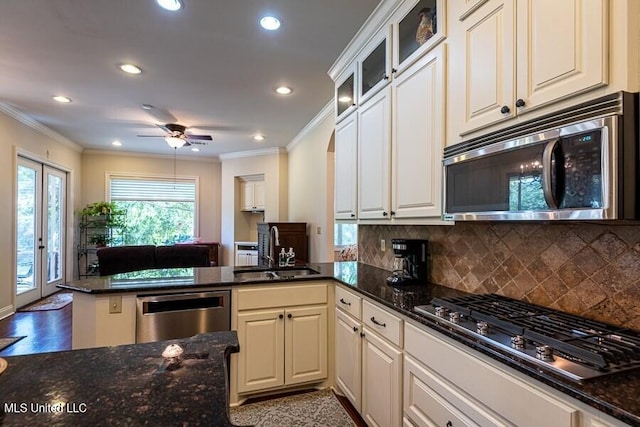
x: 581, y: 163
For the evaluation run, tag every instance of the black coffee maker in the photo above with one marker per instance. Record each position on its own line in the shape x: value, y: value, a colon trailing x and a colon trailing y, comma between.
x: 409, y: 262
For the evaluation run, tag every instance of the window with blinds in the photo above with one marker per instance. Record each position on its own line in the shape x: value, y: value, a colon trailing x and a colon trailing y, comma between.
x: 160, y: 211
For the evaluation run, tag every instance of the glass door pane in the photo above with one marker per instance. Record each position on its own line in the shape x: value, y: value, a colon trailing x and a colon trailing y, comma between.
x: 54, y: 225
x: 27, y: 229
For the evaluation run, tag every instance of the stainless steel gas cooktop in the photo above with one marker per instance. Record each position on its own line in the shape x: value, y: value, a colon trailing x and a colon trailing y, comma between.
x: 572, y: 346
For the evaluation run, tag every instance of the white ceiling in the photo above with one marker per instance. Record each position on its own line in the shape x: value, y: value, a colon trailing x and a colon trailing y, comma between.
x: 210, y: 66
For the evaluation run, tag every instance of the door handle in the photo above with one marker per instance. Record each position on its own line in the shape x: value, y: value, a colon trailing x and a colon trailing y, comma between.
x: 547, y: 188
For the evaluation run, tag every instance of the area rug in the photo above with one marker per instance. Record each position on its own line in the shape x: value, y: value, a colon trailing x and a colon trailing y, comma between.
x: 316, y: 408
x: 6, y: 342
x: 52, y: 302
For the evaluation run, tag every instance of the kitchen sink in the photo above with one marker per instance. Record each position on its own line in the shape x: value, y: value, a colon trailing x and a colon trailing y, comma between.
x: 273, y: 274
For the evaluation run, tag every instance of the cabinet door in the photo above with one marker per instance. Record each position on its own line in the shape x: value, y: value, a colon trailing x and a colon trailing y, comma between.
x: 258, y: 195
x: 305, y: 344
x: 346, y: 165
x: 562, y: 49
x: 348, y: 357
x: 374, y: 152
x: 261, y: 357
x: 488, y: 61
x: 247, y: 189
x: 381, y: 382
x: 418, y: 138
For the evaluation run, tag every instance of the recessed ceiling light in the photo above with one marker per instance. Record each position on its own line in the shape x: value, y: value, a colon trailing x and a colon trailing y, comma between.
x: 283, y: 90
x: 258, y: 137
x: 147, y: 107
x: 130, y: 68
x: 195, y: 149
x: 116, y: 143
x: 171, y: 5
x: 270, y: 23
x: 62, y: 99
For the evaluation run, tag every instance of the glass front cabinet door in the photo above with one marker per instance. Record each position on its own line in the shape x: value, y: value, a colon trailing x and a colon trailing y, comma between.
x: 375, y: 65
x: 419, y: 26
x: 345, y: 95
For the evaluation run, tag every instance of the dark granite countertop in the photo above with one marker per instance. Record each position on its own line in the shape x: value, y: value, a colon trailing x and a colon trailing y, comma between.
x: 616, y: 395
x: 121, y: 385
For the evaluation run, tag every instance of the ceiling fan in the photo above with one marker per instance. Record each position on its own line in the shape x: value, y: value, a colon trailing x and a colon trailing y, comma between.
x: 176, y: 136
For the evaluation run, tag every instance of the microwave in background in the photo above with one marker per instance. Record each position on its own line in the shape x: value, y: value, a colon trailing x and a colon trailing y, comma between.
x: 581, y: 163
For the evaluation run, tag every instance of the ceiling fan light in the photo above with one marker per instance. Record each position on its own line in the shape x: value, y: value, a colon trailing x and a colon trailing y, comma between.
x: 175, y: 142
x: 171, y: 5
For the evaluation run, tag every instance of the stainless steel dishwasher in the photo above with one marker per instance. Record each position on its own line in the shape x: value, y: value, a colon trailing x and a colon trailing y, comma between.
x: 169, y: 316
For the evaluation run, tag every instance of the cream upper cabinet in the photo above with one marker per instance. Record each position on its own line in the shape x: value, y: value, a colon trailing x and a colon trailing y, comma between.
x: 518, y: 56
x: 252, y: 195
x: 374, y: 156
x: 374, y: 65
x: 346, y: 162
x: 418, y: 26
x: 418, y: 98
x: 345, y: 95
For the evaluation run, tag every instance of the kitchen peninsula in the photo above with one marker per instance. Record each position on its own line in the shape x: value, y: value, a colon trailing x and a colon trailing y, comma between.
x: 122, y: 385
x: 612, y: 400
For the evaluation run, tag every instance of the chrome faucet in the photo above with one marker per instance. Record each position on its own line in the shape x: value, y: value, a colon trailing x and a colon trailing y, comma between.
x: 274, y: 240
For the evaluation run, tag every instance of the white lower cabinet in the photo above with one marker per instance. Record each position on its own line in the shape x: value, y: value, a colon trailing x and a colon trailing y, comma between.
x: 282, y: 332
x: 368, y: 359
x: 381, y: 381
x: 447, y: 384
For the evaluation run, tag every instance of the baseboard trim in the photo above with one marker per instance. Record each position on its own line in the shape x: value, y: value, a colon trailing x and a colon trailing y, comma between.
x: 7, y: 311
x: 348, y: 407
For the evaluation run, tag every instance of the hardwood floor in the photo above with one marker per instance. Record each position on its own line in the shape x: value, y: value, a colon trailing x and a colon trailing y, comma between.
x: 45, y: 331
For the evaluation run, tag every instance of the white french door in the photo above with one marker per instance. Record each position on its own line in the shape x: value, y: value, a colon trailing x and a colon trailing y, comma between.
x: 41, y: 194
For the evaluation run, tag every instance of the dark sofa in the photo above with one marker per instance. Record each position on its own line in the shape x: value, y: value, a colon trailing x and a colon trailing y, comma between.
x: 124, y: 259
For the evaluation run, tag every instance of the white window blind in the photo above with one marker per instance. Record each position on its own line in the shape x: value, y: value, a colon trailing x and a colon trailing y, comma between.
x: 152, y: 189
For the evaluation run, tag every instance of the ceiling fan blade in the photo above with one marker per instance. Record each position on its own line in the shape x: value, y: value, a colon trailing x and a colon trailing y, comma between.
x: 198, y: 143
x: 200, y: 137
x: 164, y: 128
x: 160, y: 114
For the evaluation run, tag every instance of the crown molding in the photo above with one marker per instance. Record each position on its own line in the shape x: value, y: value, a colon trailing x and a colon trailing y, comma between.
x: 253, y: 153
x: 26, y: 120
x: 371, y: 26
x: 149, y: 155
x: 327, y: 110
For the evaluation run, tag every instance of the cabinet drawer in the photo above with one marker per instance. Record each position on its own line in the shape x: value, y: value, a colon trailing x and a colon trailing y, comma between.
x: 349, y: 302
x: 485, y: 385
x: 281, y: 296
x: 384, y: 323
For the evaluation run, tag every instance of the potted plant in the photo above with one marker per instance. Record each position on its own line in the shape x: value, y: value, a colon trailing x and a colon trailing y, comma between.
x: 100, y: 240
x: 104, y: 213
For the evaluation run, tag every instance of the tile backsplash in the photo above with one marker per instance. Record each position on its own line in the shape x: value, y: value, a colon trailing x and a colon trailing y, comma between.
x: 592, y: 270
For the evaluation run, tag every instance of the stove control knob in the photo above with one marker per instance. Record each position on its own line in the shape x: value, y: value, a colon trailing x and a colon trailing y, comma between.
x: 454, y: 317
x: 442, y: 312
x: 483, y: 328
x: 518, y: 342
x: 545, y: 353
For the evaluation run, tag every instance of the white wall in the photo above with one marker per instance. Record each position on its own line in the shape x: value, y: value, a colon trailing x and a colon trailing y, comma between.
x: 96, y: 164
x: 311, y: 183
x: 43, y: 146
x: 273, y: 165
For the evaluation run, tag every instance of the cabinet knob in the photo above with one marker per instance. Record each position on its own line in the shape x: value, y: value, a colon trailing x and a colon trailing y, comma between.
x: 355, y: 329
x: 281, y: 316
x: 385, y: 77
x: 505, y: 109
x: 353, y: 105
x: 385, y: 214
x: 393, y: 71
x: 449, y: 424
x: 520, y: 103
x: 289, y: 316
x: 393, y: 213
x: 353, y: 215
x: 361, y: 334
